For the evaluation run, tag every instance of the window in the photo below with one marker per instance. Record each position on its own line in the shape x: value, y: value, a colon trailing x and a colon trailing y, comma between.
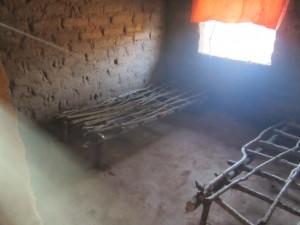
x: 238, y: 41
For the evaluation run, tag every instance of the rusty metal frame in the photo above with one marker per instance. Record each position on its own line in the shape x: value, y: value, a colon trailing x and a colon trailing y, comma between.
x: 279, y: 144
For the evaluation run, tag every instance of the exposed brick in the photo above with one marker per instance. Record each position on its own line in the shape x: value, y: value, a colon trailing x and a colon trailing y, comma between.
x: 57, y: 9
x: 140, y: 18
x: 157, y: 18
x: 124, y: 18
x: 50, y: 52
x: 91, y: 35
x: 9, y: 39
x: 18, y: 3
x: 4, y: 11
x: 134, y: 28
x: 75, y: 22
x: 102, y: 32
x: 93, y: 8
x: 152, y: 6
x: 51, y: 24
x: 156, y: 33
x: 81, y: 47
x: 112, y: 31
x: 104, y: 43
x: 132, y: 6
x: 113, y: 7
x: 63, y: 36
x: 116, y: 52
x: 99, y: 21
x: 142, y: 36
x: 3, y: 56
x: 8, y: 4
x: 153, y: 44
x: 27, y: 12
x: 124, y: 40
x: 28, y: 43
x: 133, y: 48
x: 26, y: 53
x: 99, y: 54
x: 23, y: 25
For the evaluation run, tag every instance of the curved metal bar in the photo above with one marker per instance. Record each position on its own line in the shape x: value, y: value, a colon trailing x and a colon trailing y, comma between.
x: 218, y: 193
x: 214, y: 189
x: 246, y: 159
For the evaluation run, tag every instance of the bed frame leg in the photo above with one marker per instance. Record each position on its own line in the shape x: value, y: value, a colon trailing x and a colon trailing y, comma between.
x: 205, y: 212
x: 98, y: 152
x: 65, y: 131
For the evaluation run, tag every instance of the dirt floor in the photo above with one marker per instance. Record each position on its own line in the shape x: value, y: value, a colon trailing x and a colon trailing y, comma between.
x: 151, y: 176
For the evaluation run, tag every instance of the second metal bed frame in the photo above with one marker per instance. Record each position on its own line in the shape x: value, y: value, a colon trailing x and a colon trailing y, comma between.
x: 279, y: 144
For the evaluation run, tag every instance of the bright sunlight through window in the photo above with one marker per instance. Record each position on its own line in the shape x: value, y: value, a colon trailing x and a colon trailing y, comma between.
x: 240, y: 41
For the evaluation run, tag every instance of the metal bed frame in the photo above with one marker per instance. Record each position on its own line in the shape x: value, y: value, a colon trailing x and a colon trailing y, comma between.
x: 125, y: 112
x: 279, y: 144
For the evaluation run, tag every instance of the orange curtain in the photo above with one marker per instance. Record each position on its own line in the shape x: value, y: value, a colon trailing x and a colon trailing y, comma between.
x: 268, y: 13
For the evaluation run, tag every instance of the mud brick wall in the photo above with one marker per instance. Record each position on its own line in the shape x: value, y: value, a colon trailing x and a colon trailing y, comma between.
x: 117, y: 46
x: 262, y: 94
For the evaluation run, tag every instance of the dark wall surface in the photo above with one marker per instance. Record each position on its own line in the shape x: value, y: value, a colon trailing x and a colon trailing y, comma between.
x: 260, y: 93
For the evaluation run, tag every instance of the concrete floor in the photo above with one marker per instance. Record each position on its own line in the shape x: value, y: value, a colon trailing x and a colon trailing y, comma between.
x: 152, y: 174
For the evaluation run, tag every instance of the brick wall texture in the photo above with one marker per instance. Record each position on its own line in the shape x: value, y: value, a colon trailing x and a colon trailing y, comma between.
x: 260, y: 93
x: 116, y: 46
